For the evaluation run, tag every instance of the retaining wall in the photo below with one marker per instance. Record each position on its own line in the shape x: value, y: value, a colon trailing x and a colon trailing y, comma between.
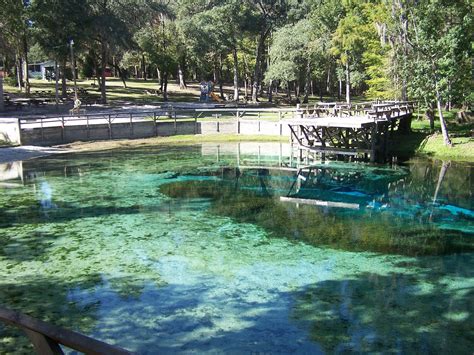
x: 10, y: 130
x: 71, y: 133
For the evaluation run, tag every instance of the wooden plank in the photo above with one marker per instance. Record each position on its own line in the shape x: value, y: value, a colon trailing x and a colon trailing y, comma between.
x: 334, y: 150
x: 245, y: 110
x: 343, y: 122
x: 306, y: 201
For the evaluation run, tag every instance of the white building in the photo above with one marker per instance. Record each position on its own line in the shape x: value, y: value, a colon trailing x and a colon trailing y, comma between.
x: 44, y: 70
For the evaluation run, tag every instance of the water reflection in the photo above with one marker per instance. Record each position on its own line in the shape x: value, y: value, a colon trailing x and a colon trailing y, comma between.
x: 346, y: 206
x: 195, y: 248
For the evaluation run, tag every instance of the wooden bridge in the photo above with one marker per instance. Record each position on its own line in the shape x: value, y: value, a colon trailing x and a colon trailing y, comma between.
x: 330, y: 128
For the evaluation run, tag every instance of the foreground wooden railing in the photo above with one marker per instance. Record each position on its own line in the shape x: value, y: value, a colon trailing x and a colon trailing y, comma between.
x: 47, y: 338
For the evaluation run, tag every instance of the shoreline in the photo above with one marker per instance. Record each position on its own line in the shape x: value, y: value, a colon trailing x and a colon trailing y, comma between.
x: 17, y: 153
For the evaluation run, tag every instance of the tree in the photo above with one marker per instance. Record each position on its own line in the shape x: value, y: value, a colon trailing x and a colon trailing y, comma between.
x: 440, y: 35
x: 55, y: 24
x: 267, y: 14
x: 289, y: 54
x: 15, y: 27
x: 349, y: 39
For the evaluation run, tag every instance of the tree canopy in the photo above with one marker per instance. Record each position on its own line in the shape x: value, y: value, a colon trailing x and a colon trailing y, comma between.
x: 384, y: 49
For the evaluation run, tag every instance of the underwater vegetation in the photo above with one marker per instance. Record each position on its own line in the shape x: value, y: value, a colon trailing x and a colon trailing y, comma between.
x: 173, y: 249
x: 384, y: 224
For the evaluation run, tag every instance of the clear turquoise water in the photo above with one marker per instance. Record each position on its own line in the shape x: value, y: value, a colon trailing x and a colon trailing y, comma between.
x: 190, y: 249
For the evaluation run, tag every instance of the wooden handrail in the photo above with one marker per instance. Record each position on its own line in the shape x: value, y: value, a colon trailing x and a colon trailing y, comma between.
x: 46, y: 337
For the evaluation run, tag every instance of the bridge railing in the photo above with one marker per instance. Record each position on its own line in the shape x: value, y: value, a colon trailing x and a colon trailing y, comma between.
x: 47, y: 338
x: 376, y: 110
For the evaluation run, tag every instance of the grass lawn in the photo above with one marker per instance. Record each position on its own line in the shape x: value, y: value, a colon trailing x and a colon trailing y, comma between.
x: 179, y: 139
x: 422, y: 142
x: 135, y: 92
x: 139, y: 91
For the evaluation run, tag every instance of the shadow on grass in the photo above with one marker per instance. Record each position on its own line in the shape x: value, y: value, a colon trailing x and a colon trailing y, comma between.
x: 405, y: 145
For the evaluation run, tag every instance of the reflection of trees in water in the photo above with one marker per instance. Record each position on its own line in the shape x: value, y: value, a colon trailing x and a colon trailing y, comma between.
x: 356, y: 231
x: 391, y: 313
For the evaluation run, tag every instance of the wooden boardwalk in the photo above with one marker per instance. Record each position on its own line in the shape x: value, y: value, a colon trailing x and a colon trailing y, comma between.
x: 349, y: 130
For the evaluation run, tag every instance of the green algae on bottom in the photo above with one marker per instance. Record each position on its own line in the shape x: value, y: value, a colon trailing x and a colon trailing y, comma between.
x: 382, y: 232
x: 175, y: 249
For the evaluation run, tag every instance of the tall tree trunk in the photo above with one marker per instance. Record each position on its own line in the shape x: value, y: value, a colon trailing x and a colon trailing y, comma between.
x: 136, y: 71
x: 444, y: 128
x: 19, y: 73
x: 2, y: 106
x: 246, y: 89
x: 270, y: 91
x: 121, y: 74
x: 307, y: 83
x: 63, y: 79
x: 25, y: 53
x: 221, y: 84
x: 449, y: 102
x: 165, y: 85
x: 56, y: 82
x: 348, y: 84
x: 339, y: 91
x: 430, y: 115
x: 115, y: 67
x: 258, y: 63
x: 328, y: 81
x: 143, y: 67
x: 236, y: 73
x: 103, y: 88
x: 182, y: 84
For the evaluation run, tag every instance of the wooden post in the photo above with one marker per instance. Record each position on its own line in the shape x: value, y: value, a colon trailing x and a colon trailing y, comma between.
x: 373, y: 138
x: 87, y: 125
x: 175, y: 124
x: 195, y: 123
x: 42, y: 133
x: 20, y: 140
x: 110, y: 126
x: 62, y: 128
x: 155, y: 124
x: 131, y: 125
